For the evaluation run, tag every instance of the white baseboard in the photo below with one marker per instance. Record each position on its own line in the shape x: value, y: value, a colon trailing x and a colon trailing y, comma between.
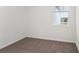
x: 55, y: 39
x: 46, y: 38
x: 9, y: 43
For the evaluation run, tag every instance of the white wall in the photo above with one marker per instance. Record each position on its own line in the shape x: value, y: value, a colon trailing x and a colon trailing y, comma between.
x: 40, y: 25
x: 19, y: 22
x: 77, y: 26
x: 12, y: 25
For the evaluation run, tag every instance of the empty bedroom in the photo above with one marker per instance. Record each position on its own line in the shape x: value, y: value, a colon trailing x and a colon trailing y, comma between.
x: 39, y: 29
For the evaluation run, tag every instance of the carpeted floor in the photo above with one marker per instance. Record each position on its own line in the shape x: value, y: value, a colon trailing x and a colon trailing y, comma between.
x: 33, y: 45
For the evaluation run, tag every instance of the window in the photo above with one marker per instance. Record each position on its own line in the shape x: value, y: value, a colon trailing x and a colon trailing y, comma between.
x: 61, y: 14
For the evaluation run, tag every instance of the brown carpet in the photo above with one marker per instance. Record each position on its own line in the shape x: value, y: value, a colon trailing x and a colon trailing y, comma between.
x: 33, y: 45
